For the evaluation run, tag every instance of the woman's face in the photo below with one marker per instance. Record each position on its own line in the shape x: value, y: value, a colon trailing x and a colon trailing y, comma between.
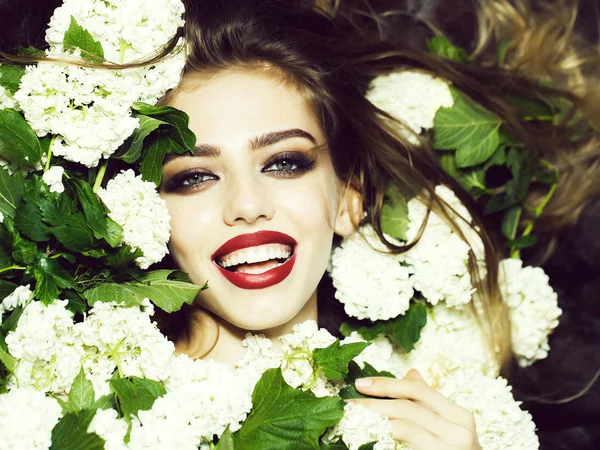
x: 254, y: 211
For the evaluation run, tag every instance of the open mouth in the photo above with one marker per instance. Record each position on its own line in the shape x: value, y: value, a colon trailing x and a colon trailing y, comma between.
x: 256, y: 260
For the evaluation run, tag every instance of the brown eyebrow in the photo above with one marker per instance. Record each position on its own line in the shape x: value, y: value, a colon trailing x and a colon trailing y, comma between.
x: 255, y: 143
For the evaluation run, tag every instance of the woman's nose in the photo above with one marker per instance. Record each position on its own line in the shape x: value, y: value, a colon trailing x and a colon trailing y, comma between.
x: 247, y: 200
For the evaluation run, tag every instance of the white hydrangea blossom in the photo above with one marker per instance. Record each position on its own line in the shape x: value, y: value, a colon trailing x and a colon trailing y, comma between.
x: 411, y: 97
x: 135, y: 205
x: 20, y: 297
x: 49, y: 356
x: 500, y: 423
x: 88, y: 109
x: 1, y: 217
x: 371, y: 282
x: 360, y: 426
x: 203, y: 398
x: 294, y: 358
x: 53, y: 178
x: 27, y: 417
x: 440, y: 258
x: 129, y: 31
x: 7, y: 100
x: 115, y: 336
x: 534, y: 310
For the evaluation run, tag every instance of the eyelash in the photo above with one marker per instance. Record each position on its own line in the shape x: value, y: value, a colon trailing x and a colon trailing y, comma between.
x: 300, y: 162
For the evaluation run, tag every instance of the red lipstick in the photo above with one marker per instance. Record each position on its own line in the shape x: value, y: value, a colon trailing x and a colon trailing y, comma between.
x: 256, y: 281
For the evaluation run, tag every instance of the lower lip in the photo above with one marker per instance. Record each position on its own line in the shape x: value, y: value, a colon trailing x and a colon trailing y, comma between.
x: 259, y: 281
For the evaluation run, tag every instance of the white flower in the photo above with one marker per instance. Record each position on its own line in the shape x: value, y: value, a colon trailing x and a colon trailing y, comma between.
x: 129, y: 31
x: 534, y: 310
x: 452, y: 339
x: 499, y: 421
x: 27, y: 417
x: 371, y: 282
x: 53, y: 178
x: 440, y: 257
x: 294, y: 358
x: 110, y: 428
x: 20, y: 297
x: 88, y: 109
x: 203, y: 398
x: 1, y: 217
x: 360, y: 426
x: 114, y: 335
x: 411, y: 97
x: 7, y: 100
x: 136, y: 206
x: 49, y: 357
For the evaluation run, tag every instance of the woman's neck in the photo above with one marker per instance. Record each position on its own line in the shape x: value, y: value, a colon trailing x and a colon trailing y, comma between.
x: 211, y: 337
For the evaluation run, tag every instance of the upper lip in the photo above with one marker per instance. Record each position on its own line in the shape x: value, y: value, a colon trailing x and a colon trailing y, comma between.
x: 253, y: 240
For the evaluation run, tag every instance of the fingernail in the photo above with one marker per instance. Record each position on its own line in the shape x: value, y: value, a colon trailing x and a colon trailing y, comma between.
x: 363, y: 382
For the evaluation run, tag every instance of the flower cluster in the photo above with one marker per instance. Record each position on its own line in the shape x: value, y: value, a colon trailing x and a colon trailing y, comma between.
x: 203, y: 399
x: 371, y: 282
x: 411, y: 97
x: 135, y: 205
x: 129, y: 31
x: 19, y: 298
x: 534, y: 310
x: 27, y: 417
x: 377, y: 285
x: 361, y: 426
x: 294, y: 358
x: 88, y: 109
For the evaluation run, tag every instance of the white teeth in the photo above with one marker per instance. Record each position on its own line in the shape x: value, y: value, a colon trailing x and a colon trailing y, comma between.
x: 257, y: 254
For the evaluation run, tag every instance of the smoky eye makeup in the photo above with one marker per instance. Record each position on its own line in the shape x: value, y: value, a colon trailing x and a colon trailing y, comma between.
x: 187, y: 180
x: 289, y: 164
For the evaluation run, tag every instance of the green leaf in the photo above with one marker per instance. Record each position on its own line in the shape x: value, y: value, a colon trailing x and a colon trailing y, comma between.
x: 11, y: 190
x: 448, y: 163
x: 226, y: 441
x: 394, y: 213
x: 339, y: 445
x: 168, y: 295
x: 510, y: 222
x: 10, y: 323
x: 443, y: 47
x: 70, y: 433
x: 474, y: 183
x: 6, y: 288
x: 105, y: 402
x: 123, y: 257
x: 175, y: 117
x: 468, y: 128
x: 31, y: 51
x: 77, y: 36
x: 284, y: 418
x: 18, y: 142
x: 404, y: 330
x: 24, y: 251
x: 355, y: 372
x: 369, y: 446
x: 136, y: 142
x: 81, y: 395
x: 75, y: 235
x: 10, y: 76
x: 9, y: 362
x: 151, y: 166
x: 50, y: 279
x: 29, y: 217
x: 502, y: 49
x: 333, y: 360
x: 136, y: 394
x: 96, y: 215
x: 523, y: 242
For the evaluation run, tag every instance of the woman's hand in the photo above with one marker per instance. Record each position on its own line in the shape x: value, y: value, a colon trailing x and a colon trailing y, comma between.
x: 420, y: 416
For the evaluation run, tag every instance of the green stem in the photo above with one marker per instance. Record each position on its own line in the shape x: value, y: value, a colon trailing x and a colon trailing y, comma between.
x: 13, y: 267
x: 100, y: 176
x: 537, y: 212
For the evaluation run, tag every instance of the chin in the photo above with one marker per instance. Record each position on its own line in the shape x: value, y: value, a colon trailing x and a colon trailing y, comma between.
x: 261, y: 317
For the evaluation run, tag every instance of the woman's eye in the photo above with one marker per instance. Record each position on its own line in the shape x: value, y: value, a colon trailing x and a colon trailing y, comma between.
x: 289, y: 164
x: 188, y: 180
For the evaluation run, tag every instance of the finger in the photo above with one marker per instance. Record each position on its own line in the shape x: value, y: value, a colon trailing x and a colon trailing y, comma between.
x: 416, y: 437
x: 410, y: 411
x: 418, y: 391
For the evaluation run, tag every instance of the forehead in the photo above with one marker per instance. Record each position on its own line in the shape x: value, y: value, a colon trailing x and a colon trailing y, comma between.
x: 234, y: 105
